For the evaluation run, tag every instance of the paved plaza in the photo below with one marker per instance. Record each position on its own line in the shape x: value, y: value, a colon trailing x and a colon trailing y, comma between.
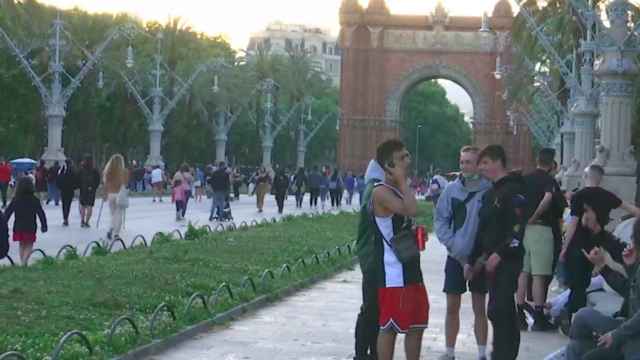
x: 143, y: 217
x: 318, y: 324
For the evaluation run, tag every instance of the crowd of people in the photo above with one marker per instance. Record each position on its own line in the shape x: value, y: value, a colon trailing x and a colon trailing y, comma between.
x: 507, y: 235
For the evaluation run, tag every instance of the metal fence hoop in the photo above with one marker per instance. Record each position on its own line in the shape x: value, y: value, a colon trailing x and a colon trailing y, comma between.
x: 176, y: 231
x: 13, y: 263
x: 284, y: 268
x: 316, y: 258
x: 232, y: 226
x: 12, y: 355
x: 115, y: 241
x: 44, y: 254
x: 197, y: 296
x: 64, y: 249
x: 90, y: 246
x: 156, y: 235
x: 264, y: 221
x: 213, y: 300
x: 264, y: 274
x: 220, y: 228
x: 244, y: 225
x: 254, y: 222
x: 142, y: 238
x: 164, y: 307
x: 274, y: 220
x: 299, y: 262
x: 249, y: 281
x: 338, y: 251
x: 208, y: 227
x: 63, y: 341
x: 115, y: 324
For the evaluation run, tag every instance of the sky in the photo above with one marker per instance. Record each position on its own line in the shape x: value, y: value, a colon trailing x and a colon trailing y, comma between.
x: 238, y: 19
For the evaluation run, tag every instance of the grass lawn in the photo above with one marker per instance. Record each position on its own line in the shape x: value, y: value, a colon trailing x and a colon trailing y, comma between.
x: 40, y: 303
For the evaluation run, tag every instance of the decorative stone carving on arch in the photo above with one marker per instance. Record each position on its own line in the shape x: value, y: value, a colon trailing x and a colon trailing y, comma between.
x: 423, y: 72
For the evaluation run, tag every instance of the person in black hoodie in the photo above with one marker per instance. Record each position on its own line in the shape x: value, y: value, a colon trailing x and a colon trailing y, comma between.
x: 498, y: 249
x: 89, y: 180
x: 26, y: 207
x: 67, y: 182
x: 281, y: 186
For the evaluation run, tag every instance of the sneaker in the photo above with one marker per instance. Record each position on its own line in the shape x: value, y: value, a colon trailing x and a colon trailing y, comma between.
x: 109, y: 235
x: 522, y: 319
x: 65, y: 223
x: 565, y: 322
x: 543, y: 325
x: 446, y: 357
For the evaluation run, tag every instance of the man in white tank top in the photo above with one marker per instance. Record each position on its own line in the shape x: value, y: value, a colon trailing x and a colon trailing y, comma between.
x: 402, y: 297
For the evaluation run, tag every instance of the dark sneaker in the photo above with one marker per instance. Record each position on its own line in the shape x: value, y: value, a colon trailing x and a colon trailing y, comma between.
x: 564, y: 321
x: 522, y: 319
x: 109, y: 235
x: 543, y: 325
x: 65, y: 223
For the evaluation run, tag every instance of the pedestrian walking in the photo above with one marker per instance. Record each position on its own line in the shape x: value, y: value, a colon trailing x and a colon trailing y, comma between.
x: 336, y: 188
x: 5, y: 179
x: 186, y: 176
x: 179, y: 194
x: 115, y: 178
x: 350, y: 186
x: 26, y: 206
x: 67, y: 181
x: 237, y: 179
x: 199, y: 184
x: 220, y: 185
x: 41, y: 180
x: 89, y: 180
x: 314, y: 182
x: 324, y: 187
x: 281, y: 187
x: 360, y: 186
x: 263, y: 187
x: 157, y: 183
x: 299, y: 184
x: 53, y: 192
x: 497, y: 253
x: 456, y: 225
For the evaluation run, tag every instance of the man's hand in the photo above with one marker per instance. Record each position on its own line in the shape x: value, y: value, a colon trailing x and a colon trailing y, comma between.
x: 532, y: 221
x: 630, y: 255
x: 492, y: 263
x: 468, y: 272
x: 596, y: 256
x: 605, y: 341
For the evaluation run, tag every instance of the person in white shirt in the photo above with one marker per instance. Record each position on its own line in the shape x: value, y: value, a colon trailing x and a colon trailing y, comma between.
x: 157, y: 181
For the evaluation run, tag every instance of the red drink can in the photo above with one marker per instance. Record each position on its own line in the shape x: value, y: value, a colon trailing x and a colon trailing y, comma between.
x: 421, y: 237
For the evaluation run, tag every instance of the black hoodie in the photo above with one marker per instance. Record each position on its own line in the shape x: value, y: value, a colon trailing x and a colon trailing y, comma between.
x: 502, y: 221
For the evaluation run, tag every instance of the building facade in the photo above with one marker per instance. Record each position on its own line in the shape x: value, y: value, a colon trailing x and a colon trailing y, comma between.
x: 281, y: 38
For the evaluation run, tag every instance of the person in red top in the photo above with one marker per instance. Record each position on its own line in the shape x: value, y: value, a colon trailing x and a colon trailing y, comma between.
x: 5, y: 179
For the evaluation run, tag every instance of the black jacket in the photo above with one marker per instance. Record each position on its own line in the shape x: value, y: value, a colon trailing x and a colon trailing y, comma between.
x: 281, y: 183
x: 502, y: 221
x: 219, y: 181
x: 4, y: 236
x: 67, y: 181
x: 26, y: 211
x: 89, y: 180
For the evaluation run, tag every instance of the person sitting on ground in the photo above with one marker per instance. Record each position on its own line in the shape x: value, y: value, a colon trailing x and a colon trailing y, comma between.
x: 577, y: 237
x: 26, y: 206
x: 597, y: 336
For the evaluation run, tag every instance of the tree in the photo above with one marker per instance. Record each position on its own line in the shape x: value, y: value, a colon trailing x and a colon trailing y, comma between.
x: 444, y: 129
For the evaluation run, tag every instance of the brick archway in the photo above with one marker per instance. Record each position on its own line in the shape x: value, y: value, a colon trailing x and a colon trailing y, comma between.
x: 385, y: 55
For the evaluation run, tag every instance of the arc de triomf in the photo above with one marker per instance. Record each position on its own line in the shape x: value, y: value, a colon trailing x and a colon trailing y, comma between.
x: 386, y: 55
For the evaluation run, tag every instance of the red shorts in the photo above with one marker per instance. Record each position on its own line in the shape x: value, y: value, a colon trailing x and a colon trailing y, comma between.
x: 403, y: 308
x: 24, y: 236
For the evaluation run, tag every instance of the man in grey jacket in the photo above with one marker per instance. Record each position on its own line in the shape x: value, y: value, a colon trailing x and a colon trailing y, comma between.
x: 456, y: 225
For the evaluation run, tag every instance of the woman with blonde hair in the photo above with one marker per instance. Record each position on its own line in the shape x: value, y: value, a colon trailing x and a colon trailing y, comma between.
x: 115, y: 178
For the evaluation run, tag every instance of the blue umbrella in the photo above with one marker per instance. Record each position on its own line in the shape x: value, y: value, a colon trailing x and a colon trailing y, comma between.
x: 22, y: 165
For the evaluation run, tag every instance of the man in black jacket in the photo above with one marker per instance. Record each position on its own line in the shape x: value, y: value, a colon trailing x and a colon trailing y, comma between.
x: 498, y: 249
x: 220, y: 184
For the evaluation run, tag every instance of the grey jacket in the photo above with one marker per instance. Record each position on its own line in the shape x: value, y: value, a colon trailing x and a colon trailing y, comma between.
x: 459, y: 243
x: 628, y: 334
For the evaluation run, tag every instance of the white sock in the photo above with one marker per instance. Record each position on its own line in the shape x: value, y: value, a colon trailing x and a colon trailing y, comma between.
x: 451, y: 352
x: 482, y: 351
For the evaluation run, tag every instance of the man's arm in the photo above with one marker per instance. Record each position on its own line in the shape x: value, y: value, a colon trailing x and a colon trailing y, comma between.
x: 406, y: 206
x: 631, y: 209
x: 442, y: 219
x: 542, y: 207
